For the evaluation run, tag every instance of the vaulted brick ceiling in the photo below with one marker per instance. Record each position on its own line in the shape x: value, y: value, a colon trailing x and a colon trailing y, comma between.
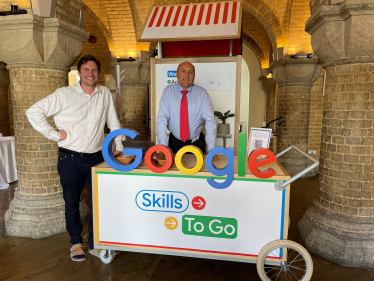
x: 275, y: 23
x: 122, y: 21
x: 256, y: 32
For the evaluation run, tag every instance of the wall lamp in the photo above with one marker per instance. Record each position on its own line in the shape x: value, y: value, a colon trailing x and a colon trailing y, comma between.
x: 122, y: 59
x: 13, y: 11
x: 308, y: 56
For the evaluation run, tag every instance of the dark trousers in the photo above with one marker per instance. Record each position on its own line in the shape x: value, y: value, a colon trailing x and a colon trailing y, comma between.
x: 176, y: 144
x: 75, y: 172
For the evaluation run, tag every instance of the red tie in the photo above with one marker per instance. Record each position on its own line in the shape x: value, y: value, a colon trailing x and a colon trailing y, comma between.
x: 184, y: 131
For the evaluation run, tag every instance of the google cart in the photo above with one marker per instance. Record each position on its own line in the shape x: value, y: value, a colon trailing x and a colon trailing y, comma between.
x: 177, y: 214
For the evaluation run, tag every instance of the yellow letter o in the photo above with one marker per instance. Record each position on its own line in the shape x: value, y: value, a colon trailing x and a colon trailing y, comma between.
x: 182, y: 167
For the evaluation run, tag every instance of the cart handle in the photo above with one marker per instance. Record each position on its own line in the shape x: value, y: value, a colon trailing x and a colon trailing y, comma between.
x: 280, y: 185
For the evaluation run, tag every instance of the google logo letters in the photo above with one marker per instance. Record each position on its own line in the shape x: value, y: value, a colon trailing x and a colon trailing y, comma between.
x: 228, y: 171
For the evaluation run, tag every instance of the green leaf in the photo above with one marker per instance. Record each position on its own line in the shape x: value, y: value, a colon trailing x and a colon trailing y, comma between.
x: 224, y: 116
x: 219, y: 114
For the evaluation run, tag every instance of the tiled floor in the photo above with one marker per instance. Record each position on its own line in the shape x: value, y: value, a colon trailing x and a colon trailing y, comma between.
x: 48, y: 258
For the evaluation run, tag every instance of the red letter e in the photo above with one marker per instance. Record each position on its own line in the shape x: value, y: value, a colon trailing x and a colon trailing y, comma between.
x: 253, y: 163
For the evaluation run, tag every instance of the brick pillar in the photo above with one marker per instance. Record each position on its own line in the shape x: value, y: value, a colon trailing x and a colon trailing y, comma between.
x: 295, y: 78
x: 271, y: 102
x: 42, y: 53
x: 134, y: 92
x: 4, y: 101
x: 340, y: 224
x: 11, y: 119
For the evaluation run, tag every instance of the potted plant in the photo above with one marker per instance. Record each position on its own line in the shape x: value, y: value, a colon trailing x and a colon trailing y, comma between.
x: 223, y: 129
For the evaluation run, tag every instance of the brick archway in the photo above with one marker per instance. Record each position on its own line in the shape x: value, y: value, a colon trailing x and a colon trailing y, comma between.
x: 254, y: 46
x: 101, y: 25
x: 115, y: 19
x: 269, y: 22
x: 299, y: 41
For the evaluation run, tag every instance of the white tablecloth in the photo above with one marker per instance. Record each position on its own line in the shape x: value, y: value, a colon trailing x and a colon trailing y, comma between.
x: 8, y: 167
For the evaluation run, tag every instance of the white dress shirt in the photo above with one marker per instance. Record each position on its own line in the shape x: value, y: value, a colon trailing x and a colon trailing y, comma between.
x: 82, y: 117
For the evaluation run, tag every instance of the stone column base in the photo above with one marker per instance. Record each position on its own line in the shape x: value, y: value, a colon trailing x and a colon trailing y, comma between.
x: 38, y: 216
x: 346, y: 241
x: 294, y: 165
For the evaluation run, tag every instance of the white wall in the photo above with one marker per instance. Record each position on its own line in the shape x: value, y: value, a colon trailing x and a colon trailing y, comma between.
x: 256, y: 108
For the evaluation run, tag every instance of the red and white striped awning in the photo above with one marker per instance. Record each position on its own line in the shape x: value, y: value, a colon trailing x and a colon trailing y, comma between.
x: 220, y: 20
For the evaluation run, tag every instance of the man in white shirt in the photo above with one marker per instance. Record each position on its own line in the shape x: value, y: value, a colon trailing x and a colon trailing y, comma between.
x: 80, y: 113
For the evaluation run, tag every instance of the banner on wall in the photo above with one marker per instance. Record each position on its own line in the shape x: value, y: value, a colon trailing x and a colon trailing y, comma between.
x: 212, y: 77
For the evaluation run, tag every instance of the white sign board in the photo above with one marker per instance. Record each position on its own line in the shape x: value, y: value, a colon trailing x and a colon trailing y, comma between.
x: 188, y: 214
x: 207, y: 76
x: 212, y: 76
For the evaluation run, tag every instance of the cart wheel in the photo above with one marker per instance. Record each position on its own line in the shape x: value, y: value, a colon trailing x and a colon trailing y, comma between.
x: 296, y: 264
x: 106, y: 256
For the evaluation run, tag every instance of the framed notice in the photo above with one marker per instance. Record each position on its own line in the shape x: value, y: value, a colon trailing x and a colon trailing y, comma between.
x: 258, y: 138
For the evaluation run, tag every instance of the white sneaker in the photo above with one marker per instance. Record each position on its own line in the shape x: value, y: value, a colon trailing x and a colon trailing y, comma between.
x: 95, y: 252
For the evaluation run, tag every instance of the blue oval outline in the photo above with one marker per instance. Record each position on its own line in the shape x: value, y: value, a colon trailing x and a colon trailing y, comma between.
x: 188, y: 201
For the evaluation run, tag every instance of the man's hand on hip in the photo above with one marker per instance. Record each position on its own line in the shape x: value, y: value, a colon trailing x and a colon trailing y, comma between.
x: 63, y: 135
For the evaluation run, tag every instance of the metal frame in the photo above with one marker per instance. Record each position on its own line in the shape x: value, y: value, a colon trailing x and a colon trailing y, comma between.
x: 182, y: 254
x: 280, y: 185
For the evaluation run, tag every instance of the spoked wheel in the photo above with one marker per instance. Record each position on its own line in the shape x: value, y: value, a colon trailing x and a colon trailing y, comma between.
x: 107, y: 256
x: 292, y: 262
